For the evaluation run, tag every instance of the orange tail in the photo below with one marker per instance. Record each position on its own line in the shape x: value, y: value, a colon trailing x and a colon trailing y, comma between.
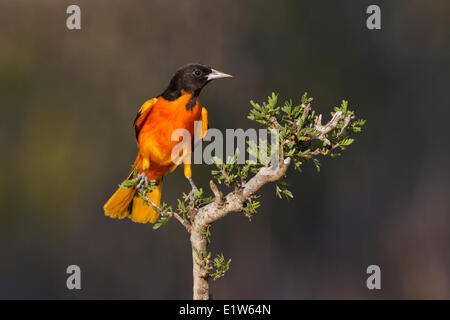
x: 126, y: 202
x: 142, y: 212
x: 118, y: 206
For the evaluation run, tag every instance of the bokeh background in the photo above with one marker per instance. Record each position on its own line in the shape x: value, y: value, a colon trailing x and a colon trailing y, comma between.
x: 68, y: 100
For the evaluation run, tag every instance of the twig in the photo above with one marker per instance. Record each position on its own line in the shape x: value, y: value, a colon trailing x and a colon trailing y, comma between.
x: 183, y: 222
x: 347, y: 120
x: 274, y: 121
x: 217, y: 194
x: 324, y: 129
x: 301, y: 121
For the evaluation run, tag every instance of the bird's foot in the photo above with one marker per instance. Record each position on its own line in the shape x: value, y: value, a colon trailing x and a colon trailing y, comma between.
x: 143, y: 187
x: 194, y: 189
x: 142, y: 181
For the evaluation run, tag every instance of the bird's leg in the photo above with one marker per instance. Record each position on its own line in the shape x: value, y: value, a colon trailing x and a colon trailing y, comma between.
x: 193, y: 190
x: 143, y: 184
x: 188, y: 175
x: 142, y: 188
x: 142, y: 180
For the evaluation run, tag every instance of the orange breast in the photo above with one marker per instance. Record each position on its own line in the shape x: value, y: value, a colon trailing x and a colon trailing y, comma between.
x: 155, y: 138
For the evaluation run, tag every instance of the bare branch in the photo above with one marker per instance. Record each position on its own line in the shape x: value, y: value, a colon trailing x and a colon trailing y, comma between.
x: 183, y: 222
x: 226, y: 176
x: 228, y: 180
x: 347, y: 120
x: 274, y: 121
x: 324, y: 129
x: 217, y: 194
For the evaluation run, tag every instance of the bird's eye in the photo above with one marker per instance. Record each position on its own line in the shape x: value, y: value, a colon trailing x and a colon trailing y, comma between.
x: 197, y: 73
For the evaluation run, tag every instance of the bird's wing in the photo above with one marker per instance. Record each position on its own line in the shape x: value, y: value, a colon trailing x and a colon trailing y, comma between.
x: 203, y: 129
x: 143, y: 113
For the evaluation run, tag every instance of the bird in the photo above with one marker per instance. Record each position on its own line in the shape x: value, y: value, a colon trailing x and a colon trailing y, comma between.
x: 178, y: 107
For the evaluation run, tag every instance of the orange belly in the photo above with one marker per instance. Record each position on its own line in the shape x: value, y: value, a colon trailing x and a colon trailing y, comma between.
x: 155, y: 138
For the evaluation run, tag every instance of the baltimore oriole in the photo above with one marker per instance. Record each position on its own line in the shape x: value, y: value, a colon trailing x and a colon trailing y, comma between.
x: 176, y: 108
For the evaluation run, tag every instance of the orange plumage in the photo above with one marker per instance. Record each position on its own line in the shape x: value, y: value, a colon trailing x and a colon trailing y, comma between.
x: 177, y: 108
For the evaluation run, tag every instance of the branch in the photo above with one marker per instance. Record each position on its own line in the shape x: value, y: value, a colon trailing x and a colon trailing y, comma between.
x: 233, y: 202
x: 299, y: 123
x: 183, y: 222
x: 347, y: 120
x: 299, y: 126
x: 275, y: 122
x: 217, y: 194
x: 324, y: 129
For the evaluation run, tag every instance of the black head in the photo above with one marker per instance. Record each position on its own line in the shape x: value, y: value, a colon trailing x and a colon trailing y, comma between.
x: 191, y: 78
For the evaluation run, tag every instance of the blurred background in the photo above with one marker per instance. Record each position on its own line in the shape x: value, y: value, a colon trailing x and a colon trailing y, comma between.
x: 68, y: 100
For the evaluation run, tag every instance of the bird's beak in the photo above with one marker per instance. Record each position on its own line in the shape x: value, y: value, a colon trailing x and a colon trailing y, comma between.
x: 217, y: 75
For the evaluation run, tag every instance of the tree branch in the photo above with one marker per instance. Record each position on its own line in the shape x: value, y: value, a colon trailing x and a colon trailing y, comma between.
x: 183, y: 222
x: 217, y: 194
x: 233, y: 202
x: 299, y: 126
x: 324, y: 129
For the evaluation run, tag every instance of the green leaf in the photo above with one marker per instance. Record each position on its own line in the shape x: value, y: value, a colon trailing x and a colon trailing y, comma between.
x: 221, y: 266
x: 127, y: 184
x: 305, y: 99
x: 317, y: 164
x: 281, y: 188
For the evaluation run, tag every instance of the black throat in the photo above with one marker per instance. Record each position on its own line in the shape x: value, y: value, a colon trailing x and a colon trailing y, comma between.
x: 171, y: 94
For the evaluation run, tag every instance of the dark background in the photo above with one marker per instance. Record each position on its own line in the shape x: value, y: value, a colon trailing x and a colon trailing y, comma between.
x: 68, y: 99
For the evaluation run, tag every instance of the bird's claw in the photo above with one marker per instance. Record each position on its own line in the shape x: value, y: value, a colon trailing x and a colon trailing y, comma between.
x: 142, y: 181
x: 142, y: 185
x: 191, y: 195
x: 193, y: 190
